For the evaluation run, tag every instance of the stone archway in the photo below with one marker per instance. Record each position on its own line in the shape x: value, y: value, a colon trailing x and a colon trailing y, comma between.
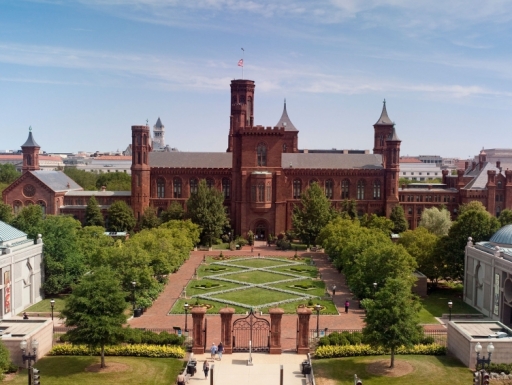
x: 261, y: 230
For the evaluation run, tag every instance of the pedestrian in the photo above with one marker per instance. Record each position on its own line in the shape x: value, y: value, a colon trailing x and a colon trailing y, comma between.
x: 25, y: 315
x: 220, y: 350
x: 206, y: 369
x: 333, y: 290
x: 180, y: 380
x: 347, y: 304
x: 213, y: 350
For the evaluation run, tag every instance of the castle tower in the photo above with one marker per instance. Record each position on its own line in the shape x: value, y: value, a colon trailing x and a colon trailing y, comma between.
x: 30, y: 151
x: 392, y: 167
x: 383, y: 129
x: 158, y: 135
x: 242, y: 107
x: 140, y: 169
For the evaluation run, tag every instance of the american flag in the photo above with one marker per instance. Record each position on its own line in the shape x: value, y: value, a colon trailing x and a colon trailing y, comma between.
x: 241, y: 63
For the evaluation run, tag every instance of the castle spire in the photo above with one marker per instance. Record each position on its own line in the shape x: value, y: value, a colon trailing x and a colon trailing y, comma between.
x: 384, y: 118
x: 285, y: 120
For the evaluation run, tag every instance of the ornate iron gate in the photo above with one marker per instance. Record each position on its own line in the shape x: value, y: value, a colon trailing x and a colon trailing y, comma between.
x: 251, y: 328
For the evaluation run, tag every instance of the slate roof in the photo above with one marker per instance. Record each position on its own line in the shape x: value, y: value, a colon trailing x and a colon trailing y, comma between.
x: 191, y: 159
x: 30, y: 141
x: 9, y: 233
x: 384, y: 118
x: 158, y: 123
x: 56, y: 180
x: 393, y: 137
x: 285, y: 121
x: 75, y: 193
x: 480, y: 175
x: 331, y: 161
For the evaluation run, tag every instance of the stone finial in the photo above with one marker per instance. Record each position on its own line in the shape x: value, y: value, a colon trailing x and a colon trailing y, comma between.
x: 470, y: 241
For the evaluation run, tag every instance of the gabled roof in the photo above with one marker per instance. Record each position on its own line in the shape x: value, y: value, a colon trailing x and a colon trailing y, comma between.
x: 331, y: 161
x: 285, y: 121
x: 56, y: 180
x: 384, y: 118
x: 30, y: 141
x: 191, y: 159
x: 158, y: 123
x: 9, y: 233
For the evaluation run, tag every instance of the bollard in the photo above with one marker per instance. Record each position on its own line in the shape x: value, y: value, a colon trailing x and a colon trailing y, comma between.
x: 211, y: 374
x: 281, y: 376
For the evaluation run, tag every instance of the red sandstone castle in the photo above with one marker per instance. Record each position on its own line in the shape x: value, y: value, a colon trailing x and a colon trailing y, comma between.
x: 262, y: 175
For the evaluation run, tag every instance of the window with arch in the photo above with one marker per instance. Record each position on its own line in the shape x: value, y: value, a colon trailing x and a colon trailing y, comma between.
x: 261, y: 152
x: 269, y: 192
x: 17, y: 206
x: 210, y: 183
x: 297, y: 188
x: 500, y: 184
x: 193, y: 185
x: 160, y: 188
x: 360, y: 190
x: 329, y: 184
x: 226, y: 187
x: 42, y: 204
x: 344, y: 189
x: 241, y: 99
x: 376, y: 189
x: 261, y: 192
x: 29, y: 160
x: 177, y: 187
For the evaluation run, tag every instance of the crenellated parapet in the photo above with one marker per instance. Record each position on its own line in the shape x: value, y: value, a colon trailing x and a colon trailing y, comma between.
x: 261, y: 130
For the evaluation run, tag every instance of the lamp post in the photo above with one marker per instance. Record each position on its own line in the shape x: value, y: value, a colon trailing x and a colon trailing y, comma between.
x: 374, y: 289
x: 450, y: 305
x: 133, y: 294
x: 186, y: 315
x: 318, y: 308
x: 483, y: 360
x: 29, y: 357
x: 52, y: 304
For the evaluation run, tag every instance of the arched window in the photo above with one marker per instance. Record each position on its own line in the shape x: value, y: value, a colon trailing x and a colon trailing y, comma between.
x: 29, y: 160
x: 360, y: 190
x: 17, y: 206
x: 269, y: 192
x: 344, y: 189
x: 261, y: 192
x: 160, y: 188
x: 177, y: 187
x: 43, y: 207
x: 328, y: 188
x: 376, y: 189
x: 210, y: 183
x: 193, y: 186
x: 297, y: 188
x: 261, y: 152
x: 241, y: 99
x: 500, y: 184
x: 226, y: 187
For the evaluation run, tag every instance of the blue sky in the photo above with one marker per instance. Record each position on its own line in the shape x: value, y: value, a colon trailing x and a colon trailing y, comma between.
x: 82, y: 72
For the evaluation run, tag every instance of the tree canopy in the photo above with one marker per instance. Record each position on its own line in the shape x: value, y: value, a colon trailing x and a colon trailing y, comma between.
x: 149, y: 219
x: 174, y: 212
x: 505, y: 217
x: 93, y: 215
x: 114, y: 181
x: 6, y: 214
x: 120, y: 217
x: 87, y: 180
x: 8, y: 173
x: 438, y: 222
x: 29, y: 220
x: 397, y: 216
x: 421, y: 244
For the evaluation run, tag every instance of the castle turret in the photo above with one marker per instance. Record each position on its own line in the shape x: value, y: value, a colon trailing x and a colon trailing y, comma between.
x: 140, y: 169
x: 30, y: 151
x: 158, y: 135
x: 392, y: 166
x: 242, y: 107
x: 382, y: 130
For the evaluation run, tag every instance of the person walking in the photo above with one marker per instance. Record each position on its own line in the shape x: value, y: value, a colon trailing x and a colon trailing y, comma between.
x: 333, y: 290
x: 213, y: 350
x: 220, y: 350
x: 206, y: 369
x: 347, y: 304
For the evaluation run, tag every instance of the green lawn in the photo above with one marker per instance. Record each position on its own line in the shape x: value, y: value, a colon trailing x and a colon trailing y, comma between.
x: 192, y: 290
x: 318, y: 291
x: 308, y: 271
x: 428, y: 370
x: 205, y: 270
x: 44, y: 305
x: 221, y: 246
x: 71, y: 370
x: 258, y: 262
x: 255, y: 296
x: 291, y: 308
x: 436, y: 304
x: 256, y: 277
x: 216, y: 306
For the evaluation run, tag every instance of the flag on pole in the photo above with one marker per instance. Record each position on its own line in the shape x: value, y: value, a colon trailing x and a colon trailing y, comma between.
x: 241, y: 63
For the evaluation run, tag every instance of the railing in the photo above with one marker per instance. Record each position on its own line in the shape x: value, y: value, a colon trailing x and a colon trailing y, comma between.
x: 310, y: 378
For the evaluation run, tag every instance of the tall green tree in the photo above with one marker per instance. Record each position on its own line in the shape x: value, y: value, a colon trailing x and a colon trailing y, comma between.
x: 93, y: 215
x: 8, y: 173
x: 29, y: 220
x: 206, y: 209
x: 149, y: 219
x: 392, y: 317
x: 373, y: 221
x: 120, y: 217
x: 421, y: 244
x: 174, y: 212
x: 6, y: 214
x: 311, y: 215
x: 349, y: 206
x: 438, y: 222
x: 95, y: 310
x: 397, y: 216
x: 114, y: 181
x: 87, y: 180
x: 505, y: 217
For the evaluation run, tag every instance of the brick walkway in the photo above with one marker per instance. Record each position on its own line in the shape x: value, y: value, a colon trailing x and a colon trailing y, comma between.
x: 157, y: 317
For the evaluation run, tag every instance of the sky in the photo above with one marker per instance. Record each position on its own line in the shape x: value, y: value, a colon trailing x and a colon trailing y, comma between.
x: 82, y: 72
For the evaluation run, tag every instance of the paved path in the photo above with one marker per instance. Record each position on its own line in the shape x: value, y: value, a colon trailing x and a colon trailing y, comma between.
x: 233, y: 369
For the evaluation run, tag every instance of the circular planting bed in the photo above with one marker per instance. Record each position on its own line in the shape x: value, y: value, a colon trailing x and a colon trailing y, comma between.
x: 381, y: 368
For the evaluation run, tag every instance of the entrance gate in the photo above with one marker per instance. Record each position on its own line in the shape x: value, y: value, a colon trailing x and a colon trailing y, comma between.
x: 254, y: 329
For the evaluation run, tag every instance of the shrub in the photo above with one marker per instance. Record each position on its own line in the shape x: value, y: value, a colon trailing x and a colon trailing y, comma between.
x: 139, y: 350
x: 241, y: 241
x: 367, y: 350
x: 64, y: 338
x: 12, y: 368
x: 498, y: 368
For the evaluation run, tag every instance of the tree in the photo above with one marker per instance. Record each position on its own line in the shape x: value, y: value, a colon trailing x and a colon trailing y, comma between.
x: 174, y: 212
x: 87, y: 180
x: 6, y: 214
x: 95, y: 310
x: 349, y: 206
x: 149, y: 219
x: 421, y: 244
x: 206, y: 209
x: 93, y: 215
x: 120, y: 217
x: 114, y: 181
x: 311, y: 215
x: 373, y: 221
x: 5, y: 359
x: 94, y: 245
x: 505, y: 217
x: 29, y: 220
x: 392, y: 317
x: 398, y: 218
x: 438, y: 222
x: 8, y: 173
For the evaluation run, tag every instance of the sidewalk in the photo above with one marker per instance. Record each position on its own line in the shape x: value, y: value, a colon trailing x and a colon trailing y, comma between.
x: 233, y: 369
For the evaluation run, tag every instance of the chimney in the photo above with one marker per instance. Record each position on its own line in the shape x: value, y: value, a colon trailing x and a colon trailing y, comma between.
x: 103, y: 188
x: 466, y: 165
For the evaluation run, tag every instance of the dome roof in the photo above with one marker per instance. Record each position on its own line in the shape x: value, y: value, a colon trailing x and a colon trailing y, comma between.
x: 503, y: 236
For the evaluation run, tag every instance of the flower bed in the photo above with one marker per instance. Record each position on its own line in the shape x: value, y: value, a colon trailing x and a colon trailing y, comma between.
x: 332, y: 351
x: 141, y: 350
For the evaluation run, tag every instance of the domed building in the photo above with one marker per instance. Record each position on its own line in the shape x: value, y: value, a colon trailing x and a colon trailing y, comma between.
x: 488, y: 276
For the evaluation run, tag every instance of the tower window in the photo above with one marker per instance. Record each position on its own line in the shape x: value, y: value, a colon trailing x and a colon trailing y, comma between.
x: 297, y: 188
x: 177, y: 187
x: 262, y: 154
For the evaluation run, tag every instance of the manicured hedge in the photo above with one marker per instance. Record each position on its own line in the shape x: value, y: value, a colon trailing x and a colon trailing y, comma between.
x: 141, y: 350
x: 332, y: 351
x: 498, y: 368
x: 137, y: 336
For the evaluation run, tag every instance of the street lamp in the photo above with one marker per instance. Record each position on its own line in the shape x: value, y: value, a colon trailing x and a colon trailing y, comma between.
x: 52, y: 304
x: 186, y: 315
x: 450, y: 305
x: 374, y: 289
x: 318, y: 308
x: 483, y: 360
x: 133, y: 294
x: 29, y: 357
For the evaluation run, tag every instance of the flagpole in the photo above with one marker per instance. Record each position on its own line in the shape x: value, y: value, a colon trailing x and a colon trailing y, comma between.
x: 243, y: 62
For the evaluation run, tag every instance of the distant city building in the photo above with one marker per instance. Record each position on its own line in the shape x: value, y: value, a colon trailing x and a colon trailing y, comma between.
x: 158, y: 136
x: 414, y: 169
